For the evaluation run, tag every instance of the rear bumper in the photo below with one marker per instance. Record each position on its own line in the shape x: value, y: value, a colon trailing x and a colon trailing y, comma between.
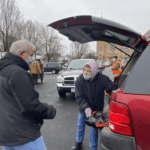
x: 114, y: 141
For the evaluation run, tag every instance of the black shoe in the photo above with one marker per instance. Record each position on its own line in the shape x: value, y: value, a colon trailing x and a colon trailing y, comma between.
x: 76, y: 146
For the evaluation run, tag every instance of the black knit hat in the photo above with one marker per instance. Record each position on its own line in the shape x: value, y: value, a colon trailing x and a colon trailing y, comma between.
x: 116, y: 57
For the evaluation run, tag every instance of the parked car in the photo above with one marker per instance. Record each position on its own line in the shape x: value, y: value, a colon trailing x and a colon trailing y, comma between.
x: 101, y: 65
x: 123, y: 63
x: 53, y: 67
x: 129, y: 110
x: 66, y: 80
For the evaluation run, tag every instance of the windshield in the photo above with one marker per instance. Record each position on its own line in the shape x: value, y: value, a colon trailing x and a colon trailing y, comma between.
x: 99, y: 62
x: 78, y: 64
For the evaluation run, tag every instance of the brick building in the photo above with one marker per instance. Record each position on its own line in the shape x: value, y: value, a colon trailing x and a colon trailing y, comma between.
x: 106, y: 51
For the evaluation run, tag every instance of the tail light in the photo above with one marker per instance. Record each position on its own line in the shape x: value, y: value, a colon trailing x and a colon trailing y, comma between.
x: 119, y: 120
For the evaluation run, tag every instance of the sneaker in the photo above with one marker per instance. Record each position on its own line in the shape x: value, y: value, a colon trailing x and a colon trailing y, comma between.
x: 41, y: 82
x: 35, y: 85
x: 76, y: 146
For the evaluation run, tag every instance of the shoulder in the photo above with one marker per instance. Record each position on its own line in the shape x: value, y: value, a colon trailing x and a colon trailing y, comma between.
x: 103, y: 79
x: 15, y: 69
x: 102, y: 76
x: 15, y: 72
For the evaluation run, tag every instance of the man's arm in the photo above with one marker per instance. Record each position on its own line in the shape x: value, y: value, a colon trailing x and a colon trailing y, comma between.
x: 38, y: 67
x: 110, y: 86
x: 29, y: 97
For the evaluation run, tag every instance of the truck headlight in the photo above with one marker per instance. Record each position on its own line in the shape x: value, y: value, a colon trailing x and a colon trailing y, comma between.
x: 60, y: 78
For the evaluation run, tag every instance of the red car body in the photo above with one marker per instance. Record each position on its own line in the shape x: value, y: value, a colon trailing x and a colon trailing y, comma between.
x: 138, y: 107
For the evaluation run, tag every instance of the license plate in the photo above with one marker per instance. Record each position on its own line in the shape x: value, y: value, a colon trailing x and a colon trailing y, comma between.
x: 72, y: 89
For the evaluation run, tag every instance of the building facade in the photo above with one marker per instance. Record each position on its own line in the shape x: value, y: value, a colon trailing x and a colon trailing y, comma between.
x: 147, y: 35
x: 106, y: 51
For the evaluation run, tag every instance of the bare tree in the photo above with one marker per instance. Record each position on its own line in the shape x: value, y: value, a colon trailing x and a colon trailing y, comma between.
x: 90, y: 55
x: 10, y: 17
x: 14, y: 27
x: 58, y: 48
x: 78, y: 50
x: 52, y: 45
x: 32, y: 31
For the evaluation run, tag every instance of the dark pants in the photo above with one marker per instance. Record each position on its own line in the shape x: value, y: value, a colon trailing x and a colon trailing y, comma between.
x: 35, y: 78
x: 41, y: 77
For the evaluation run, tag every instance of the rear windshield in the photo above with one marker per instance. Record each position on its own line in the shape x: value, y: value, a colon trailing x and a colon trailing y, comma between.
x: 138, y: 79
x: 111, y: 33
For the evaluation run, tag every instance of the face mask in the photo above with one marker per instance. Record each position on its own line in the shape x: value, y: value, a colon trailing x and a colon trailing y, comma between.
x: 29, y: 61
x: 114, y: 59
x: 87, y: 77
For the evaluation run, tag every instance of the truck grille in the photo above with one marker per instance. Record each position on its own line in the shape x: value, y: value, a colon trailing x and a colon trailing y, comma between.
x: 69, y: 81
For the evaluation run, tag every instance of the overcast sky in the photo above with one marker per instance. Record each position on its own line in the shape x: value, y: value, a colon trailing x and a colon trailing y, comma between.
x: 132, y: 13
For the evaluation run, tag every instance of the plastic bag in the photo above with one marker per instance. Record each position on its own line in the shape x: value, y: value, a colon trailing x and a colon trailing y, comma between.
x: 97, y: 119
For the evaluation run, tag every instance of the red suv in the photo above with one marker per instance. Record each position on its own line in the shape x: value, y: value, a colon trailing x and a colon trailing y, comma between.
x: 129, y: 109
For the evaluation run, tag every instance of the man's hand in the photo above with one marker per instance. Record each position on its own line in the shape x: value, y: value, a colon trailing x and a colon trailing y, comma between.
x: 117, y: 90
x: 88, y: 112
x: 51, y: 112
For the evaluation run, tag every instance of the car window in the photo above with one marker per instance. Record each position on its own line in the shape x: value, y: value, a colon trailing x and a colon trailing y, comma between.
x: 50, y: 64
x: 99, y: 62
x: 44, y: 65
x: 78, y: 64
x: 138, y: 79
x: 55, y: 64
x: 111, y: 33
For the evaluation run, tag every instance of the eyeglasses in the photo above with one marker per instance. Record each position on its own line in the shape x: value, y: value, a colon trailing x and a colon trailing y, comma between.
x: 88, y: 71
x: 28, y: 53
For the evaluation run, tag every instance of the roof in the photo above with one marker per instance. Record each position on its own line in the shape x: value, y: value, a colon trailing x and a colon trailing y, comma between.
x: 83, y: 59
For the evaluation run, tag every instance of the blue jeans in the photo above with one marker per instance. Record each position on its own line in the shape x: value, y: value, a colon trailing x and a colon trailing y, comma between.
x: 37, y: 144
x: 93, y: 133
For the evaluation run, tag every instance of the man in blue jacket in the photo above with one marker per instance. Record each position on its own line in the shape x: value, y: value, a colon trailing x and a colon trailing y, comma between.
x: 89, y: 93
x: 21, y: 112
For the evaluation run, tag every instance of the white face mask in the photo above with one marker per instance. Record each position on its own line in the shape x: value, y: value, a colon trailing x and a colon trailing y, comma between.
x: 29, y: 61
x: 87, y: 77
x: 114, y: 59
